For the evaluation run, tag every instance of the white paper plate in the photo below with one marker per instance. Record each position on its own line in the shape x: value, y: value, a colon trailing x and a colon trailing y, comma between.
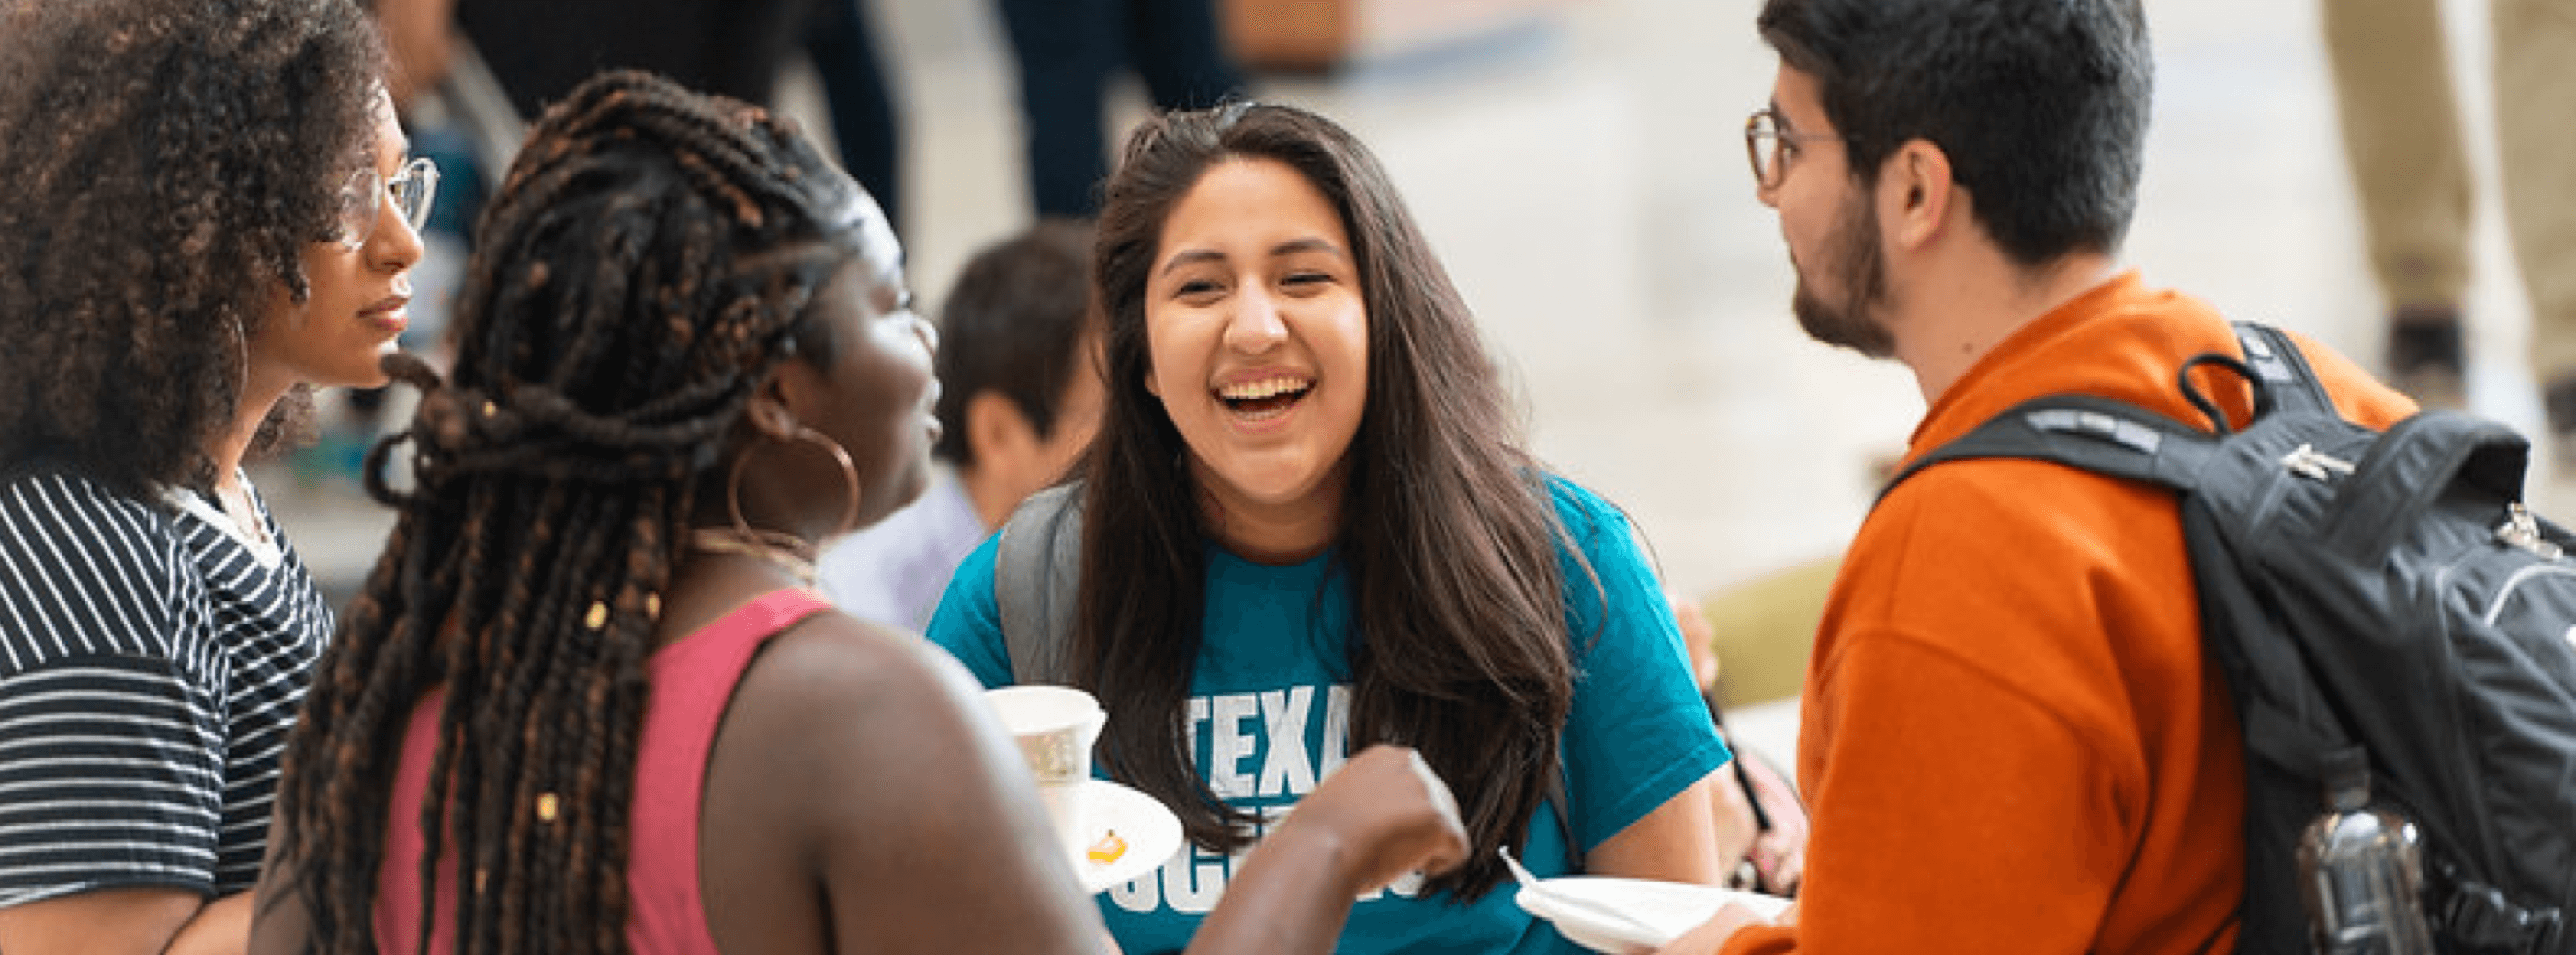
x: 1670, y: 908
x: 1151, y: 831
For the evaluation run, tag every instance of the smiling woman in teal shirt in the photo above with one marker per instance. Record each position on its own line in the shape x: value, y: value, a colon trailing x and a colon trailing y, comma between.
x: 1309, y: 525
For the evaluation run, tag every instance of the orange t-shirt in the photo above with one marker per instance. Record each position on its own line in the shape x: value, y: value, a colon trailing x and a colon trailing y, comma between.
x: 2010, y: 740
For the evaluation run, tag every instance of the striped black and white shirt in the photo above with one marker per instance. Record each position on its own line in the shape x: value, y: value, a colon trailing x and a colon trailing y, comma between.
x: 151, y: 659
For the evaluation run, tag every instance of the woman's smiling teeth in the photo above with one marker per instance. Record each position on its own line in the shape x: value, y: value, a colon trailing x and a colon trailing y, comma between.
x: 1264, y: 398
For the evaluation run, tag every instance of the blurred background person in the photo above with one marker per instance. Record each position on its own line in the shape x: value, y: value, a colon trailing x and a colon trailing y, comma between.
x: 865, y: 118
x: 210, y: 212
x: 1020, y: 395
x: 2410, y: 168
x: 588, y: 701
x: 1761, y: 823
x: 1068, y: 51
x: 1307, y: 524
x: 540, y: 49
x: 1067, y: 55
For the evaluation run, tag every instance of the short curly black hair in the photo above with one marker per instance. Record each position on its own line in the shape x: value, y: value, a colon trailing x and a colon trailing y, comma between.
x: 1014, y: 325
x: 167, y: 161
x: 2040, y: 105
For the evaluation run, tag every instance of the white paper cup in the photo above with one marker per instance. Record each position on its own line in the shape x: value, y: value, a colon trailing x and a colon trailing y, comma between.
x: 1055, y: 727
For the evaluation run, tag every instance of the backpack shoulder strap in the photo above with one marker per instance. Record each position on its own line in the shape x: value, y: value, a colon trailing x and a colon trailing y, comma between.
x: 1037, y: 577
x: 2094, y: 433
x: 2281, y: 371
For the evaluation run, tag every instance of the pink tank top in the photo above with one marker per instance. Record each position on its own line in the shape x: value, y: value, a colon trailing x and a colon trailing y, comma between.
x: 693, y: 680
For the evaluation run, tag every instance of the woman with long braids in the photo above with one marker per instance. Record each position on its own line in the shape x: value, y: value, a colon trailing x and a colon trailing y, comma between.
x: 588, y: 702
x: 1308, y: 525
x: 207, y: 211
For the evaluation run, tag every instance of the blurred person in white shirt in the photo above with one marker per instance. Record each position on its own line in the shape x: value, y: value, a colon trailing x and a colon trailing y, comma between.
x: 1021, y: 396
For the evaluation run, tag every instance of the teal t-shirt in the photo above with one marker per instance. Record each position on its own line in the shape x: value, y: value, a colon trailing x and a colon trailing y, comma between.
x: 1269, y: 715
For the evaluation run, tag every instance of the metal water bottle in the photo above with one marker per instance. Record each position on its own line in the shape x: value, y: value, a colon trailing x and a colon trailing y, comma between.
x: 2359, y: 871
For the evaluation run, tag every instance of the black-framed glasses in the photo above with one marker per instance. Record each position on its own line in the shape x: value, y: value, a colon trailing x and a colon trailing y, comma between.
x: 363, y: 196
x: 1768, y: 141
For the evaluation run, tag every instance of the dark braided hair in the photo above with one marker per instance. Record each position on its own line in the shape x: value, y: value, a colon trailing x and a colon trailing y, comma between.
x: 168, y: 161
x: 644, y: 268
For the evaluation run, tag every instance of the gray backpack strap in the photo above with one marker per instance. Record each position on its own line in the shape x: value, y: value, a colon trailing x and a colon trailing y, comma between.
x: 1037, y: 578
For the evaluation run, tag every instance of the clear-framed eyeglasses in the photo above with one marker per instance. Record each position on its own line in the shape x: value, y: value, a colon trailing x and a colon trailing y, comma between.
x: 1769, y: 143
x: 363, y: 196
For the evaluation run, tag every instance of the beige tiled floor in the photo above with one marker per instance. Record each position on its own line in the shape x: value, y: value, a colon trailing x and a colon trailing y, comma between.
x: 1585, y: 183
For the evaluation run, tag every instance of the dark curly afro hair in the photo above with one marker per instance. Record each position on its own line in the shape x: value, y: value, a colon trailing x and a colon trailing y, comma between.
x: 167, y: 160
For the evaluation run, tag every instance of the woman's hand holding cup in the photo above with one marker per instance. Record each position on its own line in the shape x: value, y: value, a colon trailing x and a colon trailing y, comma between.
x: 1055, y: 727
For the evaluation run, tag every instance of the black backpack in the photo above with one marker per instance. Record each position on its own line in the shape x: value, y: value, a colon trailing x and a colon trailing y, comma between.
x: 2375, y: 596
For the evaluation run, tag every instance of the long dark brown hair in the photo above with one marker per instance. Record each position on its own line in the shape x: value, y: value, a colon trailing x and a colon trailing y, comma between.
x: 167, y: 162
x: 1448, y: 535
x: 645, y: 267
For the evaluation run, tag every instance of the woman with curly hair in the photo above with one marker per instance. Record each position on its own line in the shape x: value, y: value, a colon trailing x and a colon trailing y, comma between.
x: 589, y: 702
x: 1308, y: 524
x: 208, y: 211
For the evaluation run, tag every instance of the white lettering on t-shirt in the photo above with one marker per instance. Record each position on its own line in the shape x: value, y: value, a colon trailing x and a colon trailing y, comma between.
x: 1143, y: 893
x: 1192, y: 880
x: 1236, y: 726
x: 1337, y: 730
x: 1228, y: 744
x: 1198, y: 710
x: 1286, y: 769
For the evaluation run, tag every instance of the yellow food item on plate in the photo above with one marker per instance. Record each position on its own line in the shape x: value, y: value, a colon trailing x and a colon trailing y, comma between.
x: 1107, y: 850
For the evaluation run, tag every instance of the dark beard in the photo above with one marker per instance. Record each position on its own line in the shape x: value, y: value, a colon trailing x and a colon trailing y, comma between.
x: 1862, y: 267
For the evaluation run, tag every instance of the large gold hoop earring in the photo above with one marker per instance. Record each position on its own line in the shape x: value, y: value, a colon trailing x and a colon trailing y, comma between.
x: 791, y: 543
x: 849, y: 476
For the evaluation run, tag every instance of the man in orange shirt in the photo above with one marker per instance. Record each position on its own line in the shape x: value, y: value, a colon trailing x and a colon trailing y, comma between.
x: 2012, y: 741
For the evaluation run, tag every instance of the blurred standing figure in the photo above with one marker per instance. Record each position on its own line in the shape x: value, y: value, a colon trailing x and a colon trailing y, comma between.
x: 1019, y: 398
x: 541, y: 49
x: 2402, y: 135
x: 538, y: 50
x: 588, y: 701
x: 535, y: 51
x: 865, y: 119
x: 1069, y: 50
x: 209, y: 211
